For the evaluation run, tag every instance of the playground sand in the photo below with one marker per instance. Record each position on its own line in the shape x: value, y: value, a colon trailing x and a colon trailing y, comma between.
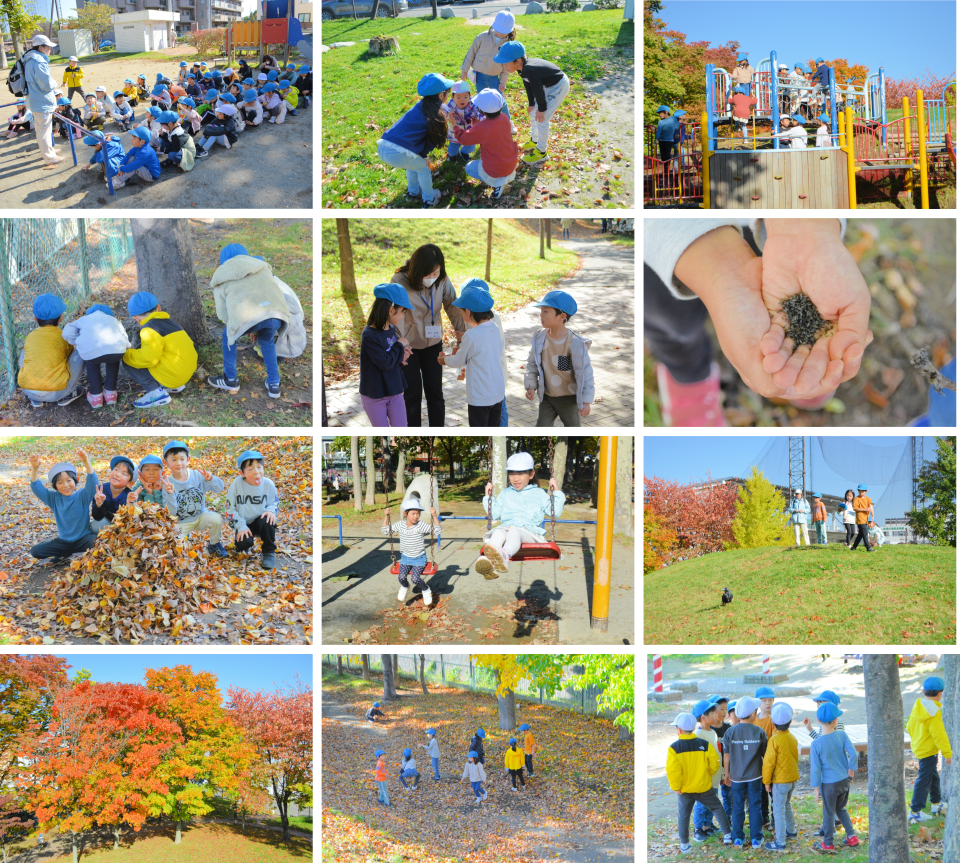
x: 256, y: 174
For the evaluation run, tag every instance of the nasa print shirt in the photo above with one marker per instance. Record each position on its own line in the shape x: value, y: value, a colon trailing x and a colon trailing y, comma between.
x: 246, y: 502
x: 189, y: 498
x: 665, y: 241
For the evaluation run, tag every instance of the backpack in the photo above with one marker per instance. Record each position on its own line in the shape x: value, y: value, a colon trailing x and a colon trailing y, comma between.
x: 17, y: 82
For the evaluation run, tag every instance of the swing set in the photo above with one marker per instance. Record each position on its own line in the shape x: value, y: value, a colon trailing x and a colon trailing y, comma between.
x: 431, y: 566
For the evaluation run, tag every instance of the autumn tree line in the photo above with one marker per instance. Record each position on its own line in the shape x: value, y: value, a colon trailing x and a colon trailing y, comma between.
x: 79, y: 755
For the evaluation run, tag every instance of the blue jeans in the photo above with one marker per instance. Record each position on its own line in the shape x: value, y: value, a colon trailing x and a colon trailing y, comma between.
x: 503, y: 415
x: 383, y: 796
x: 475, y: 169
x: 410, y: 774
x: 492, y: 82
x: 454, y: 149
x: 821, y: 527
x: 725, y: 799
x: 702, y: 817
x: 747, y: 793
x: 419, y: 180
x: 477, y: 789
x: 265, y: 331
x: 436, y: 768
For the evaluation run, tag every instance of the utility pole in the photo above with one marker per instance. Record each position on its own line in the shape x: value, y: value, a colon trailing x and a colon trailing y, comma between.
x: 796, y: 465
x: 916, y: 444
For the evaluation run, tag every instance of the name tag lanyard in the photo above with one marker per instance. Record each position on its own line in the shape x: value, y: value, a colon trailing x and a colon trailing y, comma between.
x: 433, y: 331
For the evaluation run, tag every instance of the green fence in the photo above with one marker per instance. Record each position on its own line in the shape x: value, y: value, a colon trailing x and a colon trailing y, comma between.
x: 68, y: 257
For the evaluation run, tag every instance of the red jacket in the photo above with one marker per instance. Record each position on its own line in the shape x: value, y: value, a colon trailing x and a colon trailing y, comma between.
x: 498, y: 151
x: 742, y: 104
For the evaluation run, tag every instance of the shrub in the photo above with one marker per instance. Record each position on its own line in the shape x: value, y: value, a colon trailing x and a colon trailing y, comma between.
x: 608, y: 4
x: 563, y: 5
x: 210, y: 43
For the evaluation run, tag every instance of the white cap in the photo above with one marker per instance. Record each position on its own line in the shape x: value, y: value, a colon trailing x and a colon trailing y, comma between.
x: 781, y: 713
x: 489, y: 100
x: 798, y: 491
x: 504, y: 22
x: 72, y: 59
x: 98, y: 89
x: 783, y: 66
x: 685, y: 722
x: 411, y: 503
x: 461, y: 87
x: 227, y: 109
x: 520, y: 461
x: 747, y: 706
x: 42, y: 40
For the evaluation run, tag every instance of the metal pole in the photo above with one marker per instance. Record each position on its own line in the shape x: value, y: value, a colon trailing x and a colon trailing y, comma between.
x: 774, y: 99
x: 705, y: 159
x: 851, y: 159
x: 85, y: 258
x: 602, y: 571
x: 9, y: 341
x: 922, y: 148
x: 908, y: 178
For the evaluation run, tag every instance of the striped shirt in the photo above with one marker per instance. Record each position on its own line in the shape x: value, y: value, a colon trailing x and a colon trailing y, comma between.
x: 411, y: 538
x: 814, y: 734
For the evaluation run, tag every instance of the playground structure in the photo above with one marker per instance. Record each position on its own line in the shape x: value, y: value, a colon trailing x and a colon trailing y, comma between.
x: 278, y: 27
x: 868, y: 157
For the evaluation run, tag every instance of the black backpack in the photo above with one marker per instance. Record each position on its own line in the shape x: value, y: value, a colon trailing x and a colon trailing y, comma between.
x: 17, y: 82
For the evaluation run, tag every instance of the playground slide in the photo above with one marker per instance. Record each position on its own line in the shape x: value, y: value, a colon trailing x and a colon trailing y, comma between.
x: 303, y: 42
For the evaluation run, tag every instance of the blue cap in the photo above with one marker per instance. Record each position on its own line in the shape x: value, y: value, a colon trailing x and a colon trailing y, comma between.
x: 143, y: 134
x: 228, y: 97
x: 269, y: 87
x: 248, y: 96
x: 512, y: 741
x: 291, y: 65
x: 208, y: 75
x: 679, y: 113
x: 217, y: 73
x: 663, y: 109
x: 272, y: 75
x: 479, y: 284
x: 524, y: 727
x: 701, y: 707
x: 210, y: 95
x: 432, y: 83
x: 304, y: 70
x: 100, y: 307
x: 46, y: 307
x: 159, y: 76
x: 231, y: 251
x: 732, y: 707
x: 191, y: 77
x: 203, y: 63
x: 284, y: 84
x: 186, y: 100
x: 141, y: 75
x: 247, y: 455
x: 481, y: 733
x: 90, y: 141
x: 559, y: 300
x: 376, y: 703
x: 817, y: 494
x: 407, y: 752
x: 764, y: 692
x: 827, y: 712
x: 249, y: 82
x: 153, y: 111
x: 798, y: 118
x: 823, y: 118
x: 472, y: 754
x: 395, y: 293
x: 157, y: 90
x: 169, y: 117
x: 819, y: 59
x: 716, y: 699
x: 117, y: 93
x: 861, y: 487
x: 183, y: 63
x: 62, y: 101
x: 474, y: 300
x: 799, y: 65
x: 142, y: 301
x: 935, y: 684
x: 741, y: 57
x: 150, y: 459
x: 432, y: 731
x: 828, y: 695
x: 378, y: 753
x: 510, y: 51
x: 128, y: 80
x: 122, y: 459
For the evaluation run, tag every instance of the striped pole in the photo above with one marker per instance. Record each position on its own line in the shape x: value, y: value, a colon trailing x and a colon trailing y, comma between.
x: 658, y: 672
x: 766, y: 663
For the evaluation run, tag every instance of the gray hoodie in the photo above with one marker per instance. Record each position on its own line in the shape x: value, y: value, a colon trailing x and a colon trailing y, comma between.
x: 582, y: 369
x: 247, y: 502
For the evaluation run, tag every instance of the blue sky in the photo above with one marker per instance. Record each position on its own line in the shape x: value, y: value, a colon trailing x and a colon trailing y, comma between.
x: 903, y: 37
x: 690, y: 458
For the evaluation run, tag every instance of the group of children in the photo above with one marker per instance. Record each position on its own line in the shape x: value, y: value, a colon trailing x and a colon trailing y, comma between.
x: 521, y: 509
x: 183, y: 119
x: 81, y: 512
x: 753, y: 760
x: 558, y: 371
x: 447, y: 115
x: 518, y: 758
x: 856, y: 511
x: 249, y: 300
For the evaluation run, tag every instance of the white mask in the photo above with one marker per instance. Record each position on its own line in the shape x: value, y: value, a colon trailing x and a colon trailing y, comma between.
x: 429, y: 282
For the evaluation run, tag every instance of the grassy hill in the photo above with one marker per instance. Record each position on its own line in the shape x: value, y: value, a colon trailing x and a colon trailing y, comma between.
x: 900, y: 594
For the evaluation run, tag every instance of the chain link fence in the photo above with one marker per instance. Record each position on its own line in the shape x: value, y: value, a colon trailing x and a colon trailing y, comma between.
x: 68, y: 257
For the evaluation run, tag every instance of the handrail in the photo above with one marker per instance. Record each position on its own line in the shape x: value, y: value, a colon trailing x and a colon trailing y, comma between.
x: 100, y: 136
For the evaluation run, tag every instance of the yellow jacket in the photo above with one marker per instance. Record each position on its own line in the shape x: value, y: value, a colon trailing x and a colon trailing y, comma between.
x: 292, y: 96
x: 691, y: 763
x: 72, y: 77
x: 129, y: 90
x: 45, y: 355
x: 165, y: 350
x: 528, y: 743
x: 513, y: 760
x: 928, y: 736
x: 781, y: 761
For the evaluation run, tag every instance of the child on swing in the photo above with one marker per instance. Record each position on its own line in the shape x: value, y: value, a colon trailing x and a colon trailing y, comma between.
x: 520, y: 508
x: 413, y: 556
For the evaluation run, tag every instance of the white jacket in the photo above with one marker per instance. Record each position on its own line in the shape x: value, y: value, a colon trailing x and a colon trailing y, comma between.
x: 582, y: 369
x: 96, y: 335
x: 474, y: 772
x: 293, y: 341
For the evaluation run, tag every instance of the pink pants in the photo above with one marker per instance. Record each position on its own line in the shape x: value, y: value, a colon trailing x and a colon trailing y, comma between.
x: 389, y: 411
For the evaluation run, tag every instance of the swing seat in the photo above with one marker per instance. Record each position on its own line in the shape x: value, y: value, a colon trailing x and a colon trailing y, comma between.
x: 429, y: 569
x: 537, y: 551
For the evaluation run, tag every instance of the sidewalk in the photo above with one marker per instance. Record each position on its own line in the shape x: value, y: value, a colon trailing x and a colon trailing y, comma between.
x: 603, y: 287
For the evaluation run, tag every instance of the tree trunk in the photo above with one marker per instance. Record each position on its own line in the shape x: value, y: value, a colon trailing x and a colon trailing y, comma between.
x: 623, y: 499
x: 116, y: 837
x: 499, y: 465
x: 423, y: 674
x: 179, y: 832
x: 401, y: 467
x: 243, y: 821
x: 164, y: 255
x: 559, y: 465
x: 389, y: 687
x: 365, y: 665
x: 542, y: 255
x: 323, y: 396
x: 18, y: 53
x: 348, y: 282
x: 339, y: 665
x: 396, y: 671
x: 355, y: 468
x: 489, y: 248
x: 951, y: 772
x: 506, y: 709
x: 371, y: 473
x: 3, y: 65
x: 888, y: 809
x: 549, y: 233
x: 373, y: 12
x: 73, y: 844
x: 433, y: 7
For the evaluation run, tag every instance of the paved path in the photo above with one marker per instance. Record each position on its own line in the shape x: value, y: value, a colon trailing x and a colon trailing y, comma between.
x: 603, y: 287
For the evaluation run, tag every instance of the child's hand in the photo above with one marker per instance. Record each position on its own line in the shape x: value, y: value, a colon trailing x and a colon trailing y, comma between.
x: 433, y: 512
x: 488, y: 489
x: 133, y: 495
x: 769, y: 789
x: 806, y: 722
x: 86, y: 167
x: 98, y: 496
x: 727, y: 780
x: 502, y: 88
x: 531, y: 393
x: 441, y: 359
x: 167, y: 485
x: 816, y: 793
x: 810, y: 257
x: 243, y: 534
x: 552, y: 485
x: 207, y: 476
x: 82, y: 455
x: 584, y: 411
x: 34, y: 461
x: 269, y: 517
x: 850, y: 773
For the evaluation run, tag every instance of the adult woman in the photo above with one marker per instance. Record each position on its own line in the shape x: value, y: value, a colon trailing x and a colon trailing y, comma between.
x: 424, y: 277
x: 849, y: 516
x: 269, y: 62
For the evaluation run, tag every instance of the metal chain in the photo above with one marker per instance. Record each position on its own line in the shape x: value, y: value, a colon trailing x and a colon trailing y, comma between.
x: 430, y: 470
x: 386, y: 495
x: 553, y: 517
x: 490, y: 496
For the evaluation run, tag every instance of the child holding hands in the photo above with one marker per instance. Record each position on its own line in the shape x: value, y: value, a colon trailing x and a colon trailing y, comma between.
x: 70, y: 507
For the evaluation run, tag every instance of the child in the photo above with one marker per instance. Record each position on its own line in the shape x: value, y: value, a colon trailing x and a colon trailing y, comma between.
x: 799, y: 509
x: 473, y: 772
x: 189, y: 117
x: 250, y: 303
x: 497, y: 164
x: 117, y: 492
x: 101, y: 94
x: 251, y: 111
x: 143, y: 94
x: 183, y: 73
x: 433, y: 750
x: 559, y: 371
x: 546, y: 85
x: 194, y: 90
x: 513, y: 761
x: 476, y: 744
x: 274, y: 106
x: 166, y: 358
x: 262, y: 82
x: 175, y: 144
x: 480, y: 353
x: 413, y: 556
x: 382, y: 352
x: 408, y: 770
x: 520, y: 509
x: 304, y: 85
x: 765, y: 695
x: 122, y: 112
x: 823, y: 131
x: 461, y: 113
x: 833, y: 764
x: 150, y: 480
x: 725, y: 709
x: 107, y: 154
x: 819, y: 518
x: 744, y: 746
x: 176, y: 93
x: 222, y: 130
x: 160, y: 97
x: 863, y: 507
x: 49, y: 366
x: 705, y: 712
x: 243, y: 69
x: 374, y: 713
x: 252, y: 504
x: 66, y: 110
x: 70, y: 508
x: 20, y: 121
x: 141, y: 160
x: 849, y: 516
x: 827, y: 696
x: 791, y: 129
x: 528, y: 746
x: 94, y: 113
x: 290, y: 95
x: 480, y: 57
x: 130, y: 92
x: 781, y: 773
x: 380, y: 775
x: 100, y: 339
x: 875, y: 532
x: 691, y: 765
x: 289, y: 73
x: 928, y: 738
x: 742, y: 75
x: 151, y: 122
x: 743, y: 103
x: 72, y: 76
x: 185, y: 496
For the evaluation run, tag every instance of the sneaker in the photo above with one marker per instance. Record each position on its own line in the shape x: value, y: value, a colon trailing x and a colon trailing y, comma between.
x: 851, y: 842
x: 485, y: 568
x: 700, y: 836
x: 534, y: 157
x: 34, y: 403
x: 414, y: 196
x: 728, y: 839
x: 293, y: 111
x: 96, y: 401
x: 773, y: 846
x: 223, y: 383
x: 938, y: 809
x: 820, y: 832
x: 495, y: 556
x: 273, y: 390
x: 757, y: 844
x: 70, y: 397
x: 528, y: 146
x: 792, y: 835
x: 514, y: 790
x: 268, y: 560
x: 217, y: 549
x: 402, y: 594
x: 427, y: 597
x: 917, y: 817
x: 428, y: 204
x: 696, y: 404
x: 498, y: 191
x: 820, y: 848
x: 202, y: 152
x: 738, y: 843
x: 109, y: 397
x: 685, y: 848
x: 153, y: 399
x: 179, y: 389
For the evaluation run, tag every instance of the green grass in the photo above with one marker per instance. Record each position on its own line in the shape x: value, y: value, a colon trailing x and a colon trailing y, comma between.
x: 297, y: 822
x: 365, y: 95
x: 900, y: 594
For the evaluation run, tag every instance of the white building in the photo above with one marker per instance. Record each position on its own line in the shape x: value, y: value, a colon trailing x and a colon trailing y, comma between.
x: 146, y: 30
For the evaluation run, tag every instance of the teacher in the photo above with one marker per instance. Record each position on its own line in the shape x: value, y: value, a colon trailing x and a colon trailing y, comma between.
x: 40, y: 98
x: 429, y: 290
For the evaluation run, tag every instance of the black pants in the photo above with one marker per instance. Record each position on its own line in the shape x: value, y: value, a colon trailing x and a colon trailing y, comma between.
x: 927, y: 783
x: 515, y: 775
x: 260, y: 529
x: 851, y: 532
x: 528, y: 758
x: 111, y: 363
x: 666, y: 150
x: 61, y: 547
x: 424, y: 376
x: 764, y: 806
x: 862, y: 534
x: 674, y: 329
x: 483, y: 416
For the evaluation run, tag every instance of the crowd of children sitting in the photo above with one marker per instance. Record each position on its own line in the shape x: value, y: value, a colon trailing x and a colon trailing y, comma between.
x: 181, y: 120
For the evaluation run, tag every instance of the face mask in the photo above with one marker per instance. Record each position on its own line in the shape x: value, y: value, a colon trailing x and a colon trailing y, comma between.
x: 429, y: 282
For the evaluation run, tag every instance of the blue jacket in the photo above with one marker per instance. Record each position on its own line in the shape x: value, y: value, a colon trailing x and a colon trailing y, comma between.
x: 114, y: 151
x: 71, y: 513
x: 799, y: 510
x: 668, y: 129
x: 40, y: 83
x: 525, y: 508
x: 410, y: 132
x: 108, y: 509
x: 143, y: 156
x: 822, y: 75
x: 380, y: 372
x: 831, y: 756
